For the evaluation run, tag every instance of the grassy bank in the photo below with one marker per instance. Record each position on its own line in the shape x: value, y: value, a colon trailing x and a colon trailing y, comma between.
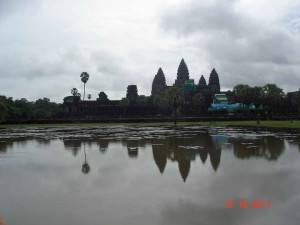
x: 267, y: 123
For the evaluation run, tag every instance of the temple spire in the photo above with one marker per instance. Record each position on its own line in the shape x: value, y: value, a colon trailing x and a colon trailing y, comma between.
x: 182, y: 74
x: 202, y: 83
x: 159, y: 83
x: 214, y: 83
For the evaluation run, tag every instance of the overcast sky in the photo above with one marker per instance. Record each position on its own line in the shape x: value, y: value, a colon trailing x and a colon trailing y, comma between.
x: 45, y: 45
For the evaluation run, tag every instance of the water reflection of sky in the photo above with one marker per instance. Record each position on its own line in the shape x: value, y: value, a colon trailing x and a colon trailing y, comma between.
x: 148, y: 176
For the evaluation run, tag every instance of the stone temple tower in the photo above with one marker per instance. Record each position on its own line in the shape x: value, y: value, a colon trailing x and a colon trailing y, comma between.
x: 159, y: 83
x: 214, y: 83
x: 182, y: 74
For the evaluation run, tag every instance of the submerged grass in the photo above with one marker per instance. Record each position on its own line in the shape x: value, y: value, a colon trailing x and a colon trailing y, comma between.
x: 266, y: 123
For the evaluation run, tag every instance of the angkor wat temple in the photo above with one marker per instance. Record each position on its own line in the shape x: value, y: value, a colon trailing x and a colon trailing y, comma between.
x: 192, y: 98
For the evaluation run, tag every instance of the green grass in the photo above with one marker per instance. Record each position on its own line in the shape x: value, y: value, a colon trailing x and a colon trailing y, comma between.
x: 268, y: 123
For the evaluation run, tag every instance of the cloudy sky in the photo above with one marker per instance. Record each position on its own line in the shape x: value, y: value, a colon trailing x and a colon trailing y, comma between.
x: 45, y: 45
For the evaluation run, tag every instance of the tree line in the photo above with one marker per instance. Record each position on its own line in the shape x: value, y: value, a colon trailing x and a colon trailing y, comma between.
x: 23, y: 109
x: 43, y: 108
x: 267, y: 99
x: 270, y: 97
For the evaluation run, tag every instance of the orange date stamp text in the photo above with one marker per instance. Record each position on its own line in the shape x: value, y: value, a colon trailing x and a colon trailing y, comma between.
x: 244, y: 204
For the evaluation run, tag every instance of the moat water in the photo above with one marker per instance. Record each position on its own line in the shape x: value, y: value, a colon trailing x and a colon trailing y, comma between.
x: 149, y: 175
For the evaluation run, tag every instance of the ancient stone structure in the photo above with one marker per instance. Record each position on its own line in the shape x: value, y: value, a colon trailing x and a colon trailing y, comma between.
x: 137, y: 105
x: 182, y: 74
x: 102, y: 98
x: 132, y: 93
x: 159, y: 83
x: 214, y: 83
x: 202, y: 83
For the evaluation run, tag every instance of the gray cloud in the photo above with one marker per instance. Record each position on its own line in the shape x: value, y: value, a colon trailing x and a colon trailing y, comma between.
x: 48, y: 44
x: 217, y: 17
x: 45, y: 45
x: 109, y: 74
x: 243, y: 49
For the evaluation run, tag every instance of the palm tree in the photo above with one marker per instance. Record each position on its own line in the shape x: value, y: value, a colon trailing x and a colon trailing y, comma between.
x: 174, y: 93
x: 85, y: 168
x: 84, y: 78
x: 74, y: 91
x: 175, y: 99
x: 89, y: 96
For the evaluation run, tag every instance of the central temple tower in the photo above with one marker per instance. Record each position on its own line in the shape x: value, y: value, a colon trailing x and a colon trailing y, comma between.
x: 182, y: 74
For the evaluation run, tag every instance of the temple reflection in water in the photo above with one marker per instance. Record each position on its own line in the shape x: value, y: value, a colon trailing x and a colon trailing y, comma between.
x: 205, y: 148
x: 148, y: 174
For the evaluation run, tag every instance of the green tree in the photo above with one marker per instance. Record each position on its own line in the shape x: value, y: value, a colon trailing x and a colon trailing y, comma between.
x: 165, y: 100
x: 208, y: 97
x: 198, y: 102
x: 257, y: 99
x: 174, y: 92
x: 142, y: 100
x: 161, y: 101
x: 257, y: 96
x: 43, y: 108
x: 243, y: 93
x: 25, y: 107
x: 296, y: 101
x: 84, y: 78
x: 13, y: 112
x: 3, y: 111
x: 273, y: 97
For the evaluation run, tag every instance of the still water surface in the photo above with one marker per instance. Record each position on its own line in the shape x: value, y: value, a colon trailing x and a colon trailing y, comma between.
x: 148, y: 175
